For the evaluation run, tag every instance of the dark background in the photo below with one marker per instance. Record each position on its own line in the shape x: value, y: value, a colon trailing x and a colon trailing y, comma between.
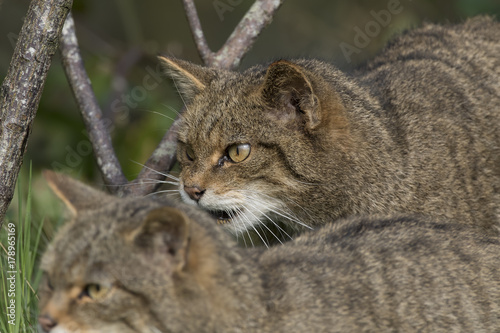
x: 120, y: 39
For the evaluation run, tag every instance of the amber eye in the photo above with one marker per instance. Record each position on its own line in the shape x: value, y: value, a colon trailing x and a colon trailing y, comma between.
x: 190, y: 153
x: 95, y: 291
x: 239, y: 153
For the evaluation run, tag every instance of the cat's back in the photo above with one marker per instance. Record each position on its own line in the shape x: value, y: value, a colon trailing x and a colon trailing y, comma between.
x: 453, y: 67
x: 476, y: 40
x: 438, y: 94
x: 392, y: 274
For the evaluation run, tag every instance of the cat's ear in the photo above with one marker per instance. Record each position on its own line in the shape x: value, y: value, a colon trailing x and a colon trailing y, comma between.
x: 289, y: 93
x: 76, y: 195
x: 164, y: 236
x: 189, y: 78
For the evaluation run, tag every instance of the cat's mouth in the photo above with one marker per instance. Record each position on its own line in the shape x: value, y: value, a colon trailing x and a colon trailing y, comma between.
x: 223, y: 216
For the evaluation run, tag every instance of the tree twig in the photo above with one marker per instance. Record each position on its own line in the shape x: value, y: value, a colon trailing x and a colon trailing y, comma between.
x: 245, y: 34
x: 22, y: 87
x: 240, y: 41
x: 92, y: 115
x: 197, y: 31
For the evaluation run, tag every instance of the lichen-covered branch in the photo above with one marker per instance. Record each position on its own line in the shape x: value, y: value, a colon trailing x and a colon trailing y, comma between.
x: 22, y: 87
x: 92, y: 115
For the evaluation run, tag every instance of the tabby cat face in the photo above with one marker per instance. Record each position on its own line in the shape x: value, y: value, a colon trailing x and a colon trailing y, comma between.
x: 238, y: 150
x: 233, y: 172
x: 111, y: 269
x: 88, y: 284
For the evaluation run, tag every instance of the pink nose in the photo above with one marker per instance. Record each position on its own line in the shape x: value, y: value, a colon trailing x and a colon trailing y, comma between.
x: 46, y: 322
x: 194, y: 192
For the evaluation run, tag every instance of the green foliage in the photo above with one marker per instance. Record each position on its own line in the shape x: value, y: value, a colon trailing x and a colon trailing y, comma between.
x: 23, y: 236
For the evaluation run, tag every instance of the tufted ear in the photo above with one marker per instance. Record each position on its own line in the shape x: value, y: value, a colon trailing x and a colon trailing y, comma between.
x: 289, y: 93
x: 189, y: 78
x: 164, y: 236
x: 76, y: 195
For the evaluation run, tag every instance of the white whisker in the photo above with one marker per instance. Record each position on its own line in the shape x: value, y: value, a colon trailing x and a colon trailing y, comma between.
x: 272, y: 206
x: 158, y: 113
x: 161, y: 182
x: 179, y: 92
x: 240, y: 213
x: 158, y: 172
x: 167, y: 191
x: 257, y: 232
x: 273, y: 199
x: 171, y: 109
x: 265, y: 224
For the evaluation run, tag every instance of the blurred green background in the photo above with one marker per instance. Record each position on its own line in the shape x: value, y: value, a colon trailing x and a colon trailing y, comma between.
x: 120, y: 39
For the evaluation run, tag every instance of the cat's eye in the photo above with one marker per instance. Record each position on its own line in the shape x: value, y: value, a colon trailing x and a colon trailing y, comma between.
x: 95, y: 291
x: 239, y: 152
x: 190, y: 153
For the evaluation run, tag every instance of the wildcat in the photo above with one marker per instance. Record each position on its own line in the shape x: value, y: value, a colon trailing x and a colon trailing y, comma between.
x: 142, y: 265
x: 416, y: 130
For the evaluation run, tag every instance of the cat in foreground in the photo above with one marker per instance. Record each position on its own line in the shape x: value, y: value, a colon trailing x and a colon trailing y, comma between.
x: 142, y: 265
x: 415, y: 130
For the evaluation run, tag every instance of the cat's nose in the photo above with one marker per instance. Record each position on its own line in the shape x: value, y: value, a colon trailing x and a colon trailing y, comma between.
x: 194, y: 192
x: 46, y: 322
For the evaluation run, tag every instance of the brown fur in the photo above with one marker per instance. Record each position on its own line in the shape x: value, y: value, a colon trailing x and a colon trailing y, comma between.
x: 417, y: 130
x: 167, y: 267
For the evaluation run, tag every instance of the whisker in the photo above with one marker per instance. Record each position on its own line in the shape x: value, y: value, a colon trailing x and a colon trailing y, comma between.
x: 263, y: 224
x: 274, y: 208
x: 258, y: 234
x: 240, y: 213
x: 144, y: 183
x: 273, y: 199
x: 169, y: 193
x: 231, y: 216
x: 171, y: 109
x: 158, y: 113
x: 166, y: 191
x: 158, y: 172
x: 154, y: 181
x: 179, y: 92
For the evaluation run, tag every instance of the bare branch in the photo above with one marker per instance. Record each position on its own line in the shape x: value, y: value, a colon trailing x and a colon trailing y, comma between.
x: 245, y: 34
x: 92, y: 115
x: 240, y: 41
x: 198, y: 35
x: 22, y: 87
